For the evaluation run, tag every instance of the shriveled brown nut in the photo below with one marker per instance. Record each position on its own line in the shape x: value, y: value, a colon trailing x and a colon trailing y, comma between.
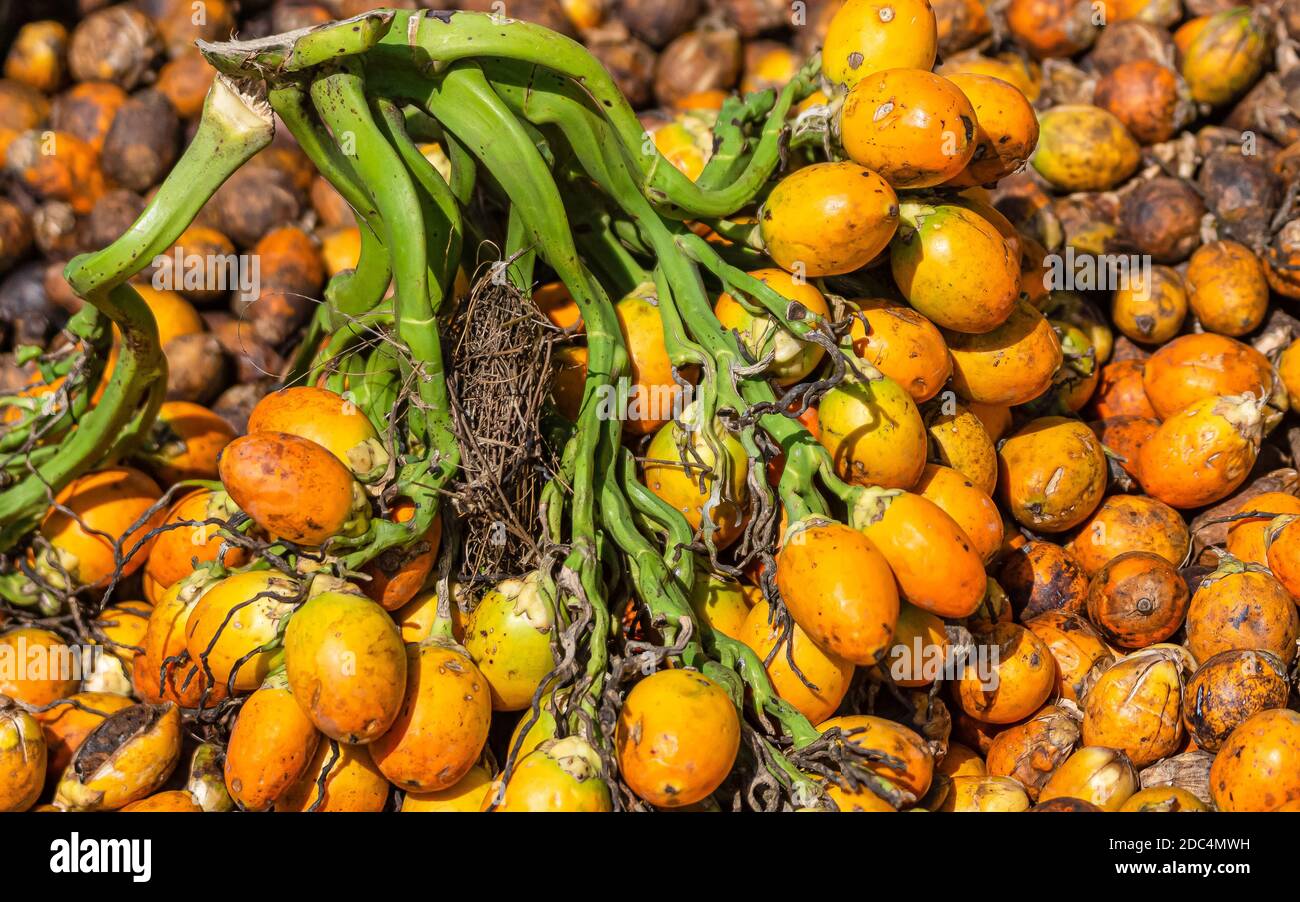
x: 703, y: 60
x: 117, y: 44
x: 197, y: 369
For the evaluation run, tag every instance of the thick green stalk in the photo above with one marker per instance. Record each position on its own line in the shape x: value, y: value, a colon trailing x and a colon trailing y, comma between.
x: 431, y: 42
x: 232, y: 129
x: 341, y: 100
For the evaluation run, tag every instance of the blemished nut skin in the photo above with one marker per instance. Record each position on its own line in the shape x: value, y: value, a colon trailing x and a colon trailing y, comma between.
x: 292, y: 487
x: 1012, y: 364
x: 23, y: 759
x: 849, y: 609
x: 1258, y: 768
x: 443, y: 723
x: 915, y: 128
x: 1138, y: 599
x: 1024, y: 676
x: 1125, y: 523
x: 1052, y: 474
x: 1197, y: 367
x: 1241, y: 607
x: 1202, y: 453
x: 346, y: 665
x: 677, y: 738
x: 1162, y: 218
x: 1084, y: 148
x: 1080, y: 652
x: 1044, y: 577
x: 874, y: 433
x: 351, y: 782
x: 1228, y: 689
x: 940, y: 247
x: 1030, y: 751
x: 271, y: 746
x: 1096, y: 775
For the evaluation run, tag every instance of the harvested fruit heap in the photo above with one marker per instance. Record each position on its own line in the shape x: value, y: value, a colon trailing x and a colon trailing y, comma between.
x: 791, y: 359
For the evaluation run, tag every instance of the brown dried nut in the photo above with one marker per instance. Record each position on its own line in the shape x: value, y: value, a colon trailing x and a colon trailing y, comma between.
x: 1242, y: 193
x: 15, y: 234
x: 657, y: 21
x: 1138, y: 599
x: 1126, y: 523
x: 1030, y: 751
x: 236, y: 403
x: 117, y: 44
x: 1282, y: 258
x: 1289, y: 13
x: 1265, y: 108
x: 197, y: 369
x: 180, y: 24
x: 753, y: 17
x: 113, y: 213
x: 702, y: 60
x: 1081, y: 654
x: 202, y: 265
x: 127, y: 757
x: 36, y: 57
x: 1228, y: 689
x: 629, y: 61
x: 56, y: 231
x: 1144, y: 95
x: 962, y: 24
x: 252, y: 202
x: 1162, y: 218
x: 289, y: 160
x: 56, y: 165
x: 1089, y: 221
x: 253, y: 358
x: 87, y: 111
x: 185, y: 81
x: 1131, y: 39
x: 26, y: 308
x: 1041, y: 577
